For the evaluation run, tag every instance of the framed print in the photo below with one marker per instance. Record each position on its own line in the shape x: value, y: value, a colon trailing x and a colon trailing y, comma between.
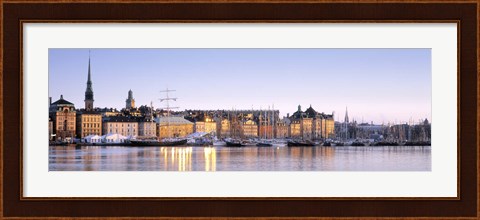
x: 239, y: 109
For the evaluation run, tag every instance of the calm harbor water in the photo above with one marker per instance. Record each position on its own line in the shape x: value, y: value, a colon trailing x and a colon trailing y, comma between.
x: 186, y: 158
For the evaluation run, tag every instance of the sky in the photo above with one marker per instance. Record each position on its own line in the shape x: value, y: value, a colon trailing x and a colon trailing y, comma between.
x: 376, y: 85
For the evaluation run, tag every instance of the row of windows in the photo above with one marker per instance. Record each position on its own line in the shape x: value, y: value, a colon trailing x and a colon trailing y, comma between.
x: 60, y: 123
x: 91, y: 119
x: 128, y: 125
x: 116, y: 130
x: 65, y: 118
x: 60, y: 128
x: 91, y: 125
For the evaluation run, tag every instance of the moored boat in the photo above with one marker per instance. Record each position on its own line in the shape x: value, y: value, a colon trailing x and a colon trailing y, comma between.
x: 293, y: 143
x: 234, y: 143
x: 357, y: 144
x: 264, y: 143
x: 164, y: 142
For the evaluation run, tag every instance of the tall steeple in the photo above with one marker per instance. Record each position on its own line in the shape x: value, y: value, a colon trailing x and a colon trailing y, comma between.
x: 89, y: 91
x: 346, y: 115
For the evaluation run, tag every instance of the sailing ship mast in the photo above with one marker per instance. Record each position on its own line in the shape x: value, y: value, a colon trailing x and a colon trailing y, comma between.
x: 168, y: 108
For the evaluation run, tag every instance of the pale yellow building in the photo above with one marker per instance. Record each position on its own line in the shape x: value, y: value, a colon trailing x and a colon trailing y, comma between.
x: 225, y: 128
x: 210, y: 125
x: 282, y: 128
x: 311, y: 124
x: 120, y: 125
x: 147, y: 128
x: 88, y: 123
x: 329, y: 128
x: 250, y: 129
x: 295, y: 129
x: 199, y: 126
x: 174, y: 127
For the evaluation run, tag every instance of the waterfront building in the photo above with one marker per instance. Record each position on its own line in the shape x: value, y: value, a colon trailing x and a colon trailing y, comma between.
x: 130, y: 102
x: 205, y: 124
x: 210, y: 125
x: 328, y: 126
x: 63, y: 114
x: 250, y: 129
x: 265, y: 130
x: 301, y: 125
x: 88, y: 123
x: 282, y: 128
x: 147, y: 127
x: 199, y: 126
x: 311, y: 124
x: 122, y: 125
x: 173, y: 127
x: 225, y: 128
x: 295, y: 129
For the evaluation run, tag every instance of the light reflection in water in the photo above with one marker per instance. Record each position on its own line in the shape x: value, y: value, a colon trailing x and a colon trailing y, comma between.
x: 182, y: 158
x: 210, y: 155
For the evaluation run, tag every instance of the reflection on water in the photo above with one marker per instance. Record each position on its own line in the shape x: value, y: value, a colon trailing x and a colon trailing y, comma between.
x: 111, y: 158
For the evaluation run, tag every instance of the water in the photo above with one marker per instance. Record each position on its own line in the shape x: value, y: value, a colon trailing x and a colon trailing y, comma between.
x: 183, y: 158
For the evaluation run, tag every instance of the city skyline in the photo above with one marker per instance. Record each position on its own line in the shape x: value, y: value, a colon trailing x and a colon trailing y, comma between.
x: 379, y: 85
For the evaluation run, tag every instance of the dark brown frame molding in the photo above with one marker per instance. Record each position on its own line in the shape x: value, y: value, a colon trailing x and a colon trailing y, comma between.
x: 14, y: 13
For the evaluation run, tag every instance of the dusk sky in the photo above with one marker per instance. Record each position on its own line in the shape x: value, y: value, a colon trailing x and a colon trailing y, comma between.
x: 379, y: 85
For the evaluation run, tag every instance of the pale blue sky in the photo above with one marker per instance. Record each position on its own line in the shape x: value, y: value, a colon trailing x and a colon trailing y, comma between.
x: 379, y: 85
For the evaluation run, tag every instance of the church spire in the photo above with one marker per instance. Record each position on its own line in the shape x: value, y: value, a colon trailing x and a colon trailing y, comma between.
x: 89, y: 90
x: 346, y: 115
x: 89, y: 81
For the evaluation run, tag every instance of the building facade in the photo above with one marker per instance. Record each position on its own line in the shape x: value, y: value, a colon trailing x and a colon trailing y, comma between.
x: 174, y: 127
x: 63, y: 115
x: 88, y: 123
x: 199, y: 126
x: 282, y: 128
x: 225, y: 128
x: 311, y: 125
x: 120, y: 125
x: 250, y: 129
x: 147, y: 128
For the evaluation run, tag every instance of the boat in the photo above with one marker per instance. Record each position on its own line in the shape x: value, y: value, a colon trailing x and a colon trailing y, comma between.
x: 200, y: 142
x: 163, y: 142
x: 385, y: 143
x: 264, y: 143
x: 58, y: 143
x: 300, y: 143
x: 417, y: 143
x: 234, y: 143
x: 357, y: 144
x: 279, y: 143
x: 219, y: 143
x: 327, y: 144
x: 339, y: 144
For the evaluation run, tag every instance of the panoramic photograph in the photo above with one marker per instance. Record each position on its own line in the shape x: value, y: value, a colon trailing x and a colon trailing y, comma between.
x: 232, y: 109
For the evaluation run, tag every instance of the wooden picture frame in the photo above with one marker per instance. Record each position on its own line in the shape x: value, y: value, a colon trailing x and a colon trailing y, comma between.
x: 14, y: 13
